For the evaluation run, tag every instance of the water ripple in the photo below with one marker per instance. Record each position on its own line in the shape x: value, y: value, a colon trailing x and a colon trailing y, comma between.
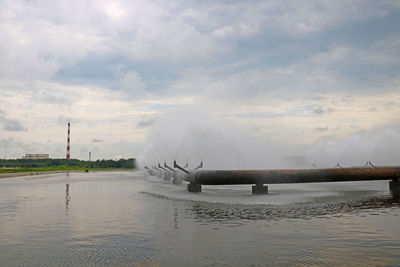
x: 226, y: 212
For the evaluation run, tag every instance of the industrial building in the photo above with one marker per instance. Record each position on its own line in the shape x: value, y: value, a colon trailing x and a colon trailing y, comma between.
x: 36, y: 156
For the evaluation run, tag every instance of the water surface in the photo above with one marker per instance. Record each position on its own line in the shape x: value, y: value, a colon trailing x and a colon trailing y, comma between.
x: 130, y: 218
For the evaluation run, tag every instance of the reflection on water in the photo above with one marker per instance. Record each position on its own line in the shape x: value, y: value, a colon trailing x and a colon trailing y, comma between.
x: 176, y: 216
x: 130, y: 219
x: 67, y: 197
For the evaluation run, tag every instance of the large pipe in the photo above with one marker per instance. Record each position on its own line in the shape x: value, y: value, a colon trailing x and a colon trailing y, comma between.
x: 169, y: 168
x: 227, y: 177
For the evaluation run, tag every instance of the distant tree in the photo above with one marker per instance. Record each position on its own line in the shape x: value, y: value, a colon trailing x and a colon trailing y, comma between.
x: 35, y: 163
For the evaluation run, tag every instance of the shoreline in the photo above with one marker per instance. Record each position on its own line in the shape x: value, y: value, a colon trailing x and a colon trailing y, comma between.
x: 20, y: 174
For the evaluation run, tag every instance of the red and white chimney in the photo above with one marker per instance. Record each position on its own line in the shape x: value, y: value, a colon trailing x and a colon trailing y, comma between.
x: 68, y: 146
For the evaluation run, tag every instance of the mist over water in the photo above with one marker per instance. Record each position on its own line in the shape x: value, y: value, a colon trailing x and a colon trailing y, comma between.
x: 193, y: 135
x: 381, y: 146
x: 133, y: 219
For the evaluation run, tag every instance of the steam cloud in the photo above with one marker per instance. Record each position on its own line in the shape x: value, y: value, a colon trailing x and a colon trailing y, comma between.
x: 192, y: 135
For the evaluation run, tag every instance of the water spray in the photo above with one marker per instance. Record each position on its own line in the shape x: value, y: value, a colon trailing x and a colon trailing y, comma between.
x: 369, y: 165
x: 159, y: 166
x: 338, y: 165
x: 179, y: 167
x: 167, y: 167
x: 200, y: 166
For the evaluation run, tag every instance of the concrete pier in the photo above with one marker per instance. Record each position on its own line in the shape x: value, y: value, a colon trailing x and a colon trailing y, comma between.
x: 394, y: 187
x: 194, y: 187
x: 259, y: 189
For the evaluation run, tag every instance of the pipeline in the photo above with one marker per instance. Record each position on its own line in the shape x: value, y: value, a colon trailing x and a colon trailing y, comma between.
x: 231, y: 177
x: 200, y: 166
x: 179, y: 167
x: 159, y: 166
x: 167, y: 173
x: 259, y: 178
x: 167, y: 167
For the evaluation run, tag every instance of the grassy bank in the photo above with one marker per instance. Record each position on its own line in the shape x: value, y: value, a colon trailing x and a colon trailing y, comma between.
x: 59, y: 168
x: 73, y: 163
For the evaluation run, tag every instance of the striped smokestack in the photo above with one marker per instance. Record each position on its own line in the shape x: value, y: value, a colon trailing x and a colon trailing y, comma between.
x: 68, y: 140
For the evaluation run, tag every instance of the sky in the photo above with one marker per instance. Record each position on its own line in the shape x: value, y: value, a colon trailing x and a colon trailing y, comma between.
x: 311, y: 77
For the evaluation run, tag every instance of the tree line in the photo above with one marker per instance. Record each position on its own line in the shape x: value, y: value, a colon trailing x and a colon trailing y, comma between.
x: 38, y: 163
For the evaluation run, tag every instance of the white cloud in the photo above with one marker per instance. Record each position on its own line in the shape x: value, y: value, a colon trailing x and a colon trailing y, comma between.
x: 133, y: 84
x: 258, y: 85
x: 287, y: 105
x: 39, y: 38
x: 95, y: 113
x: 13, y: 125
x: 257, y: 64
x: 44, y: 36
x: 10, y: 124
x: 384, y: 53
x: 314, y: 16
x: 172, y: 41
x: 223, y: 31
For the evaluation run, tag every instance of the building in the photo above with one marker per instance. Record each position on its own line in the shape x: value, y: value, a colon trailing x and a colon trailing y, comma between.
x: 36, y: 156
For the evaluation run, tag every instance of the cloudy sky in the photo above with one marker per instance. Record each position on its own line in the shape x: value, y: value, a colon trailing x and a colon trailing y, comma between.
x: 307, y: 74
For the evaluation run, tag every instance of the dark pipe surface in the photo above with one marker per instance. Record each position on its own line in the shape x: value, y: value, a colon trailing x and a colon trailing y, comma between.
x: 166, y: 166
x: 226, y: 177
x: 159, y: 166
x: 180, y: 168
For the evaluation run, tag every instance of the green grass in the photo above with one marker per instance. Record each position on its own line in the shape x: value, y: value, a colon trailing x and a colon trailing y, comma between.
x: 59, y: 168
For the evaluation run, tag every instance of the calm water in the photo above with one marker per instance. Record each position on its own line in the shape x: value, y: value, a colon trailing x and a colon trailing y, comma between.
x: 129, y: 218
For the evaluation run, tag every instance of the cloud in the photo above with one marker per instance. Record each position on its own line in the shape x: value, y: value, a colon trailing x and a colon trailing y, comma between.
x: 322, y: 129
x: 51, y: 97
x: 62, y: 120
x: 10, y: 124
x: 40, y: 40
x: 146, y: 121
x: 291, y: 17
x: 257, y: 85
x: 12, y: 148
x: 93, y: 109
x: 40, y: 45
x: 13, y: 125
x: 281, y: 70
x: 132, y: 84
x: 321, y: 110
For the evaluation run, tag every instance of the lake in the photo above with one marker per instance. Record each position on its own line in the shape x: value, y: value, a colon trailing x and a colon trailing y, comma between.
x: 133, y: 219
